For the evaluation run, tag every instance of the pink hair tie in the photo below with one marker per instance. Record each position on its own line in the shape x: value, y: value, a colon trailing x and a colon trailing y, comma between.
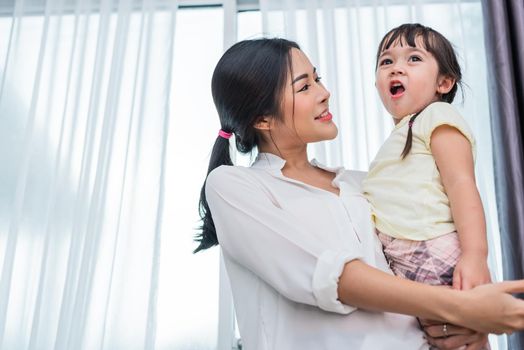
x: 224, y: 134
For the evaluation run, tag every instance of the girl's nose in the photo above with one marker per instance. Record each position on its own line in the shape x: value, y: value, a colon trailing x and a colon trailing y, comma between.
x: 397, y: 69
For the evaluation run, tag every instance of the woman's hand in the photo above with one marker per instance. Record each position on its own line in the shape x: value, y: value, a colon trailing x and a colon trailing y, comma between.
x: 490, y: 308
x: 446, y: 336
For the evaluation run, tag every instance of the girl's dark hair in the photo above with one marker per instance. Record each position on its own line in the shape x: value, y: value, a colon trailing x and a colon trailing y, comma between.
x: 247, y: 84
x: 436, y: 44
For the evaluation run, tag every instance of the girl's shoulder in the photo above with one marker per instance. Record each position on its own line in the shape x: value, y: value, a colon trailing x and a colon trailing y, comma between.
x: 442, y: 113
x: 440, y: 110
x: 439, y: 113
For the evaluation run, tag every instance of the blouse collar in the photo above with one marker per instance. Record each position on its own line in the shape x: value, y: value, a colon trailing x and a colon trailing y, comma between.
x: 268, y: 161
x: 274, y: 163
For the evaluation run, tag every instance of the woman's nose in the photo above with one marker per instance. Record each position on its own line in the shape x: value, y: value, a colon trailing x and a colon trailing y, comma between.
x: 325, y: 94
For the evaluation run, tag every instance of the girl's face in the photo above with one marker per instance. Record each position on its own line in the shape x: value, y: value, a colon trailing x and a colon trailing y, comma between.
x: 407, y: 79
x: 305, y: 106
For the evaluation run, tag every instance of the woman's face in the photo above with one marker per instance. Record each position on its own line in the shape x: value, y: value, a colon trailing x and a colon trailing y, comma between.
x: 305, y: 107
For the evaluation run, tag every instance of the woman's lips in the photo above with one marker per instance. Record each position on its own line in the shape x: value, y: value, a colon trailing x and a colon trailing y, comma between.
x: 324, y: 117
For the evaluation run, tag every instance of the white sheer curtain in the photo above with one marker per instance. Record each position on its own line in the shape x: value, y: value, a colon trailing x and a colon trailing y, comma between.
x: 341, y: 38
x: 106, y: 120
x: 93, y: 177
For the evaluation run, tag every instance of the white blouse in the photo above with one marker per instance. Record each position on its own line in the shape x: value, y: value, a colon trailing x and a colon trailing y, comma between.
x: 285, y: 244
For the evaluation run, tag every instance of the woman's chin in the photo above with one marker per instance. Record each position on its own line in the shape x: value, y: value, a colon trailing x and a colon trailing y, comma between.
x: 333, y: 134
x: 327, y: 136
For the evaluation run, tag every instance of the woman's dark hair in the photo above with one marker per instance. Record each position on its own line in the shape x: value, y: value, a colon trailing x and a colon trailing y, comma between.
x: 436, y: 44
x: 247, y: 84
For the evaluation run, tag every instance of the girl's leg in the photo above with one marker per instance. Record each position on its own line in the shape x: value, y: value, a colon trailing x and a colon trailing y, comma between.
x: 430, y: 262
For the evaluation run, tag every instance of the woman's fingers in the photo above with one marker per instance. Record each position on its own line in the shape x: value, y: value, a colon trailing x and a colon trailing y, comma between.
x: 493, y: 308
x: 425, y: 322
x: 513, y: 287
x: 458, y: 341
x: 479, y: 345
x: 446, y: 329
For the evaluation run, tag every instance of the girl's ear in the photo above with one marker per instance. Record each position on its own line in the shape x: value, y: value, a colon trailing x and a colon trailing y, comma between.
x: 445, y: 84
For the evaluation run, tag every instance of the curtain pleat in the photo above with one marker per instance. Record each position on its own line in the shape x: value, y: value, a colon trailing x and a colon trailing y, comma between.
x: 153, y: 289
x: 49, y: 212
x: 504, y: 38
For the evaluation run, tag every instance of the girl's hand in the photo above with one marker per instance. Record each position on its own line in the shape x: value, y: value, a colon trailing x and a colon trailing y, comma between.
x: 471, y: 271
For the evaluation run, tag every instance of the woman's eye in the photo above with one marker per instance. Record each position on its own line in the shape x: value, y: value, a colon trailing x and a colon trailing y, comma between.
x: 415, y: 59
x: 304, y: 88
x: 385, y: 61
x: 318, y: 79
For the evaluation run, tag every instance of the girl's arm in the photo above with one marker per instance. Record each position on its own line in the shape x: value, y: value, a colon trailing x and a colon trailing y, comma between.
x: 454, y: 159
x: 487, y: 308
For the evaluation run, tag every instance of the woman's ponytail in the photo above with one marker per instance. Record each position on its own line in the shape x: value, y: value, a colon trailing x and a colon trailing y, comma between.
x: 248, y: 83
x: 220, y: 155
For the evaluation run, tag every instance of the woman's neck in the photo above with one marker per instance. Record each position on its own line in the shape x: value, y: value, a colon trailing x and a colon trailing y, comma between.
x: 295, y: 158
x: 299, y: 168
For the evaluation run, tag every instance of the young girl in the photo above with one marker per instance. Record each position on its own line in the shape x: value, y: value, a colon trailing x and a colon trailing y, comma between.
x: 421, y: 185
x: 306, y: 270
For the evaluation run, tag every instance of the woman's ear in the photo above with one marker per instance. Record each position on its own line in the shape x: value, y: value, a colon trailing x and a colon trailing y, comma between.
x: 445, y: 84
x: 263, y: 123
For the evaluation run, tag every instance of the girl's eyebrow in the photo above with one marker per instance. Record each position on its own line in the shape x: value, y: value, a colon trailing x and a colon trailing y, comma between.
x: 302, y: 76
x: 385, y: 52
x: 409, y: 48
x: 418, y: 49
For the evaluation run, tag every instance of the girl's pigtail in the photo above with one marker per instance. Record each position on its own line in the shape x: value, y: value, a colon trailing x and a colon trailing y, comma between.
x: 409, y: 139
x: 219, y: 156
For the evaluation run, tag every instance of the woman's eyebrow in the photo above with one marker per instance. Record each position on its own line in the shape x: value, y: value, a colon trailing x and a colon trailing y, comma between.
x: 302, y: 76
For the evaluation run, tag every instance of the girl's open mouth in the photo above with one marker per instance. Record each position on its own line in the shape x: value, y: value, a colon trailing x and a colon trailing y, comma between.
x: 396, y: 89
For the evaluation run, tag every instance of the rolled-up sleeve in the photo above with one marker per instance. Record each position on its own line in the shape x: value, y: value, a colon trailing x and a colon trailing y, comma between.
x: 274, y: 244
x: 325, y: 280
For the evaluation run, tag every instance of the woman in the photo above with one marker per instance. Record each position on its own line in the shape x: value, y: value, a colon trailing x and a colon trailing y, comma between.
x: 305, y: 268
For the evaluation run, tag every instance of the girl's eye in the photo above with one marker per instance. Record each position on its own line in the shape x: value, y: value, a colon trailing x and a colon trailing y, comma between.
x: 385, y: 61
x: 317, y: 79
x: 304, y: 88
x: 415, y: 59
